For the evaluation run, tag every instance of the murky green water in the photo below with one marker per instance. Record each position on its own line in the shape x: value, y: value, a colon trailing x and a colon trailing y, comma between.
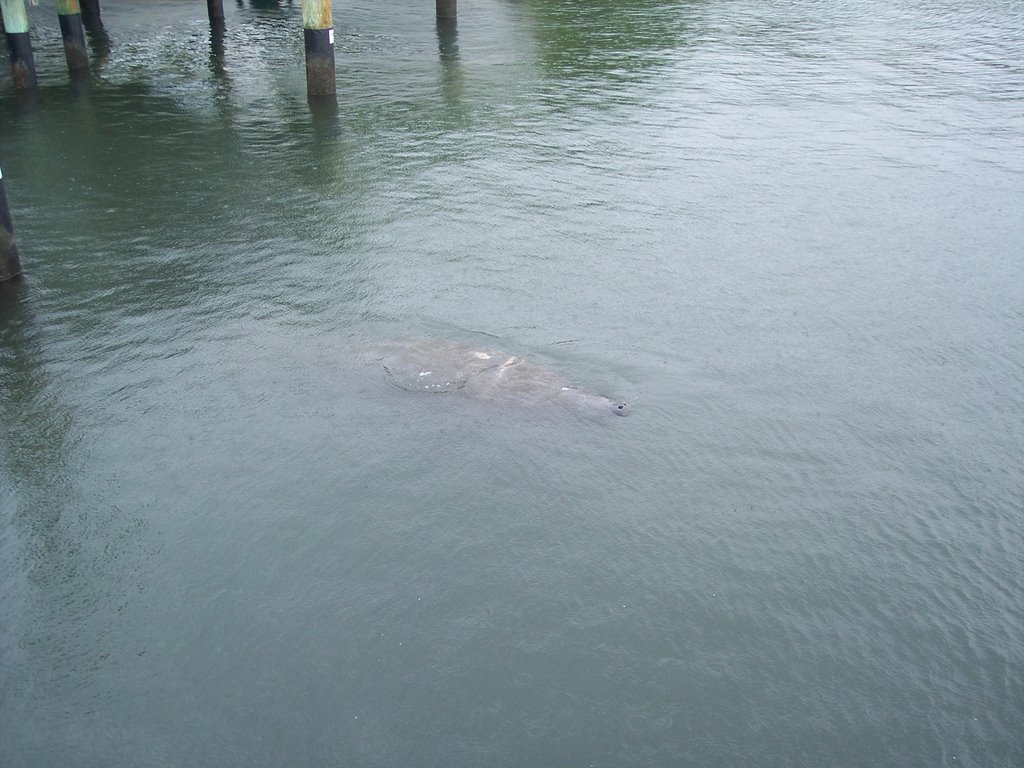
x: 790, y: 234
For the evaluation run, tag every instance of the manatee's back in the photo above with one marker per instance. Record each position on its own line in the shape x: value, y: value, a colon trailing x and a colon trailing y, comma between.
x: 433, y: 366
x: 516, y: 381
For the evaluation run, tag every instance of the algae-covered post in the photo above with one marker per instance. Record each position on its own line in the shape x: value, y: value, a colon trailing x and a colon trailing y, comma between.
x: 318, y: 29
x: 23, y: 67
x: 73, y: 31
x: 447, y: 9
x: 10, y: 264
x: 216, y: 10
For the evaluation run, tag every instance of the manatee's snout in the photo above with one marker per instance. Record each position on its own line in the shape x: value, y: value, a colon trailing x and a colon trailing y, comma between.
x: 622, y: 409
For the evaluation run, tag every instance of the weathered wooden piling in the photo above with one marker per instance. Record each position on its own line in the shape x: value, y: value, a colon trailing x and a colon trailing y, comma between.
x: 216, y: 10
x: 73, y: 31
x: 23, y: 65
x: 446, y: 9
x: 318, y: 29
x: 10, y: 263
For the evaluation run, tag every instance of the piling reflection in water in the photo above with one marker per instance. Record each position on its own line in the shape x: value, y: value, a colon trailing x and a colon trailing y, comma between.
x: 452, y: 81
x: 51, y: 533
x: 10, y: 262
x: 99, y: 40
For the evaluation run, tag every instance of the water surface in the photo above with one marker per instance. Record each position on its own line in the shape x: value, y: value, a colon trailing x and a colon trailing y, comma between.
x: 788, y: 233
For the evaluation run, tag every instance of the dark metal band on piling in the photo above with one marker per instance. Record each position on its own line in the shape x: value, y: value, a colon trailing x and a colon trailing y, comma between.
x: 447, y: 9
x: 73, y: 31
x: 23, y: 66
x: 320, y: 76
x: 216, y: 11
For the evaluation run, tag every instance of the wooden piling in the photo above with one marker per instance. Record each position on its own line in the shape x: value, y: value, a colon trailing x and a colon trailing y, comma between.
x: 73, y: 31
x: 216, y: 10
x: 318, y: 29
x: 10, y: 263
x: 447, y: 9
x: 23, y: 66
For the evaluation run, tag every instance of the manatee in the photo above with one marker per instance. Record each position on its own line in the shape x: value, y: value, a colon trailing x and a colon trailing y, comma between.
x: 487, y: 375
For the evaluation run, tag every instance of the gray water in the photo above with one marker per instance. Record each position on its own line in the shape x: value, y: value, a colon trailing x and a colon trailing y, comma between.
x: 788, y: 233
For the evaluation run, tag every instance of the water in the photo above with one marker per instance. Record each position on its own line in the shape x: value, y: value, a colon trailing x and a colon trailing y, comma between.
x: 788, y: 233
